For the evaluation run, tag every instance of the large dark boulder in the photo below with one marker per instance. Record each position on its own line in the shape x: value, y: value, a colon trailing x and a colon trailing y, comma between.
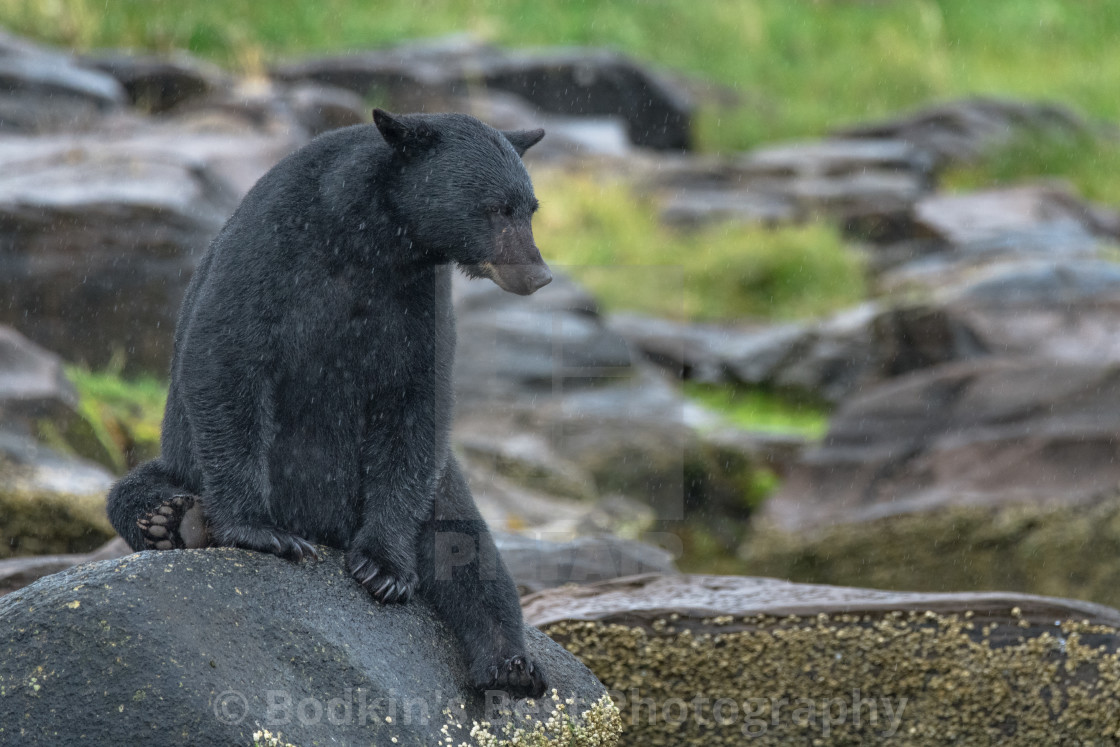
x: 210, y: 646
x: 725, y: 660
x: 596, y: 82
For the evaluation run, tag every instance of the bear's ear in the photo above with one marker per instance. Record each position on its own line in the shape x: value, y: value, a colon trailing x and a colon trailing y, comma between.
x: 403, y: 137
x: 523, y: 140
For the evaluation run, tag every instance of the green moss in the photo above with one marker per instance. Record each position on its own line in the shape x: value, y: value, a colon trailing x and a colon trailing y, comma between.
x: 760, y: 410
x: 37, y: 522
x: 611, y: 240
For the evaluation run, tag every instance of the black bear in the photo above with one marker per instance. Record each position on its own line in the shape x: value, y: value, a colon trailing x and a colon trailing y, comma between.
x: 311, y: 396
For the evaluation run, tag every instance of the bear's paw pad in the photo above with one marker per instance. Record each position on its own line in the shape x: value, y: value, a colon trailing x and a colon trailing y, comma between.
x: 176, y: 524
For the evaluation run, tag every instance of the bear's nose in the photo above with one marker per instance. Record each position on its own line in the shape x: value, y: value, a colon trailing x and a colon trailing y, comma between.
x: 538, y: 279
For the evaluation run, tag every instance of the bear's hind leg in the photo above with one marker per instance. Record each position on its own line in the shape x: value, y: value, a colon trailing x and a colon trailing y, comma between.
x: 153, y: 511
x: 463, y: 577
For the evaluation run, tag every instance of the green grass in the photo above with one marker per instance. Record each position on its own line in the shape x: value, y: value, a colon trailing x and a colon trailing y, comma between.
x: 1093, y: 165
x: 757, y: 410
x: 611, y: 241
x: 801, y: 66
x: 124, y: 415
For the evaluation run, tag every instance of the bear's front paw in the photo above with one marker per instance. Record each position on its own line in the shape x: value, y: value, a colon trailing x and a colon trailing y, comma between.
x: 387, y: 584
x: 517, y: 675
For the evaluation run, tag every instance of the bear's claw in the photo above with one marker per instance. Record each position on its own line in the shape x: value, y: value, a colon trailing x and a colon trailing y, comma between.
x: 385, y: 586
x: 517, y: 675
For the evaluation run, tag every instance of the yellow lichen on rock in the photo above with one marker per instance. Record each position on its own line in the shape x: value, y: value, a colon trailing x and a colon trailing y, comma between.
x: 908, y: 678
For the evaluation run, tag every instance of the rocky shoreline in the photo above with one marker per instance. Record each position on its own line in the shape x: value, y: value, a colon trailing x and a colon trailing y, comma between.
x: 971, y: 446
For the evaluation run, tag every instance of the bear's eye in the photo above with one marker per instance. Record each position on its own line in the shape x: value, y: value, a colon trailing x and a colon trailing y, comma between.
x: 505, y: 210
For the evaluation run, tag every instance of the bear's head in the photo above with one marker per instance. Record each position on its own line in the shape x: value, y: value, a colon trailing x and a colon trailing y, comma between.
x: 464, y: 195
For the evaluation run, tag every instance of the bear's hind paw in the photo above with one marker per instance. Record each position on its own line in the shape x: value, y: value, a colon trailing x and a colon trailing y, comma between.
x: 517, y: 675
x: 176, y: 524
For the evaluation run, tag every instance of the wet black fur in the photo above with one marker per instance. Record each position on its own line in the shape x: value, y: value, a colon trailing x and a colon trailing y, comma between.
x: 311, y: 389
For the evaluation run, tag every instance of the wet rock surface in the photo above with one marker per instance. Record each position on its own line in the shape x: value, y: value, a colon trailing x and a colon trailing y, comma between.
x: 776, y: 663
x: 99, y: 233
x: 964, y: 130
x: 157, y: 83
x: 33, y: 384
x: 978, y: 433
x: 868, y: 185
x: 43, y: 90
x: 1037, y: 548
x: 207, y: 646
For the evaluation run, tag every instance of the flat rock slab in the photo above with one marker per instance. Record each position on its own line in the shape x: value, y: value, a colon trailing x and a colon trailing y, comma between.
x: 1064, y: 310
x: 1055, y: 550
x: 988, y: 214
x: 967, y: 129
x: 986, y: 432
x: 42, y: 90
x: 711, y: 660
x: 540, y: 564
x: 863, y: 183
x: 33, y: 383
x: 99, y: 233
x: 210, y: 646
x: 15, y: 573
